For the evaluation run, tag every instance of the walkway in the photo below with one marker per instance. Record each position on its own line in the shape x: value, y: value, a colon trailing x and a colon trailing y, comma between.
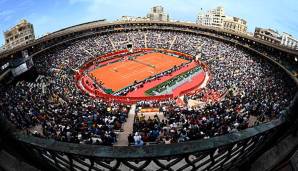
x: 127, y: 128
x: 112, y: 43
x: 145, y: 40
x: 173, y: 41
x: 86, y: 51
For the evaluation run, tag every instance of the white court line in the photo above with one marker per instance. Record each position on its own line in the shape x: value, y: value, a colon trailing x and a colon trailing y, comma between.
x: 145, y: 69
x: 136, y: 72
x: 146, y: 60
x: 142, y: 69
x: 119, y: 68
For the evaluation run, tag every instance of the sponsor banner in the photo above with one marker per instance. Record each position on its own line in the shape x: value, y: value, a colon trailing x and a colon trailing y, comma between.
x: 145, y: 110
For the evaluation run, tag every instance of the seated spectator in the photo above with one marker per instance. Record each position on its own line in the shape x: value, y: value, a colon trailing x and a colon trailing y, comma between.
x: 138, y: 140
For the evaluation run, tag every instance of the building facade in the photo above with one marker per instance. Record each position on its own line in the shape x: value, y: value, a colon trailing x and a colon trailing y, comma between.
x: 268, y: 35
x: 235, y: 24
x: 212, y: 18
x: 217, y: 18
x: 289, y: 41
x: 21, y: 34
x: 2, y: 48
x: 132, y: 18
x: 157, y: 13
x: 272, y: 36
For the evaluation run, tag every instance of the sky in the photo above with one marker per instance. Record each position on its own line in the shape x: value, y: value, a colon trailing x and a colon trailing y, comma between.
x: 52, y: 15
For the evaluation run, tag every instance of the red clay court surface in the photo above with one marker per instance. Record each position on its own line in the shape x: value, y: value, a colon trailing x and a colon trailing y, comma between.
x: 122, y: 74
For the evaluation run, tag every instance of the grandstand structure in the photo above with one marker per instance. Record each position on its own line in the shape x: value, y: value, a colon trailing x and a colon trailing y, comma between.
x: 87, y: 71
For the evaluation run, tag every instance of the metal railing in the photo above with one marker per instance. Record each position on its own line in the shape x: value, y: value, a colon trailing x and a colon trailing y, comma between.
x: 222, y: 152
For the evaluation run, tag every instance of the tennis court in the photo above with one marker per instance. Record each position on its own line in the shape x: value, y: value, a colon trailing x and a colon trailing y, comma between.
x: 122, y: 74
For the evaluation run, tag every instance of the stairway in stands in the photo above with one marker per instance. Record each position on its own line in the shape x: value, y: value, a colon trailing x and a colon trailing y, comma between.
x: 112, y: 43
x: 173, y: 42
x: 145, y: 40
x: 127, y: 127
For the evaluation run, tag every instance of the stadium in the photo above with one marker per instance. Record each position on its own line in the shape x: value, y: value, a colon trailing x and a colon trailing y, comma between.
x: 147, y: 96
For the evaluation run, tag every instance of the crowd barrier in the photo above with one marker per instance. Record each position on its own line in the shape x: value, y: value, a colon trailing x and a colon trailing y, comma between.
x: 87, y: 83
x: 124, y: 99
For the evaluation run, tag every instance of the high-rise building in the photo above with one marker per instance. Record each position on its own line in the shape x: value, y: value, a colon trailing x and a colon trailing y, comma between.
x: 157, y: 13
x: 21, y: 34
x: 217, y: 18
x: 213, y: 18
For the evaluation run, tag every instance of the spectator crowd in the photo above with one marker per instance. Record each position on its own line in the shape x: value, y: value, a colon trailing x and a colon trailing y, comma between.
x: 249, y: 87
